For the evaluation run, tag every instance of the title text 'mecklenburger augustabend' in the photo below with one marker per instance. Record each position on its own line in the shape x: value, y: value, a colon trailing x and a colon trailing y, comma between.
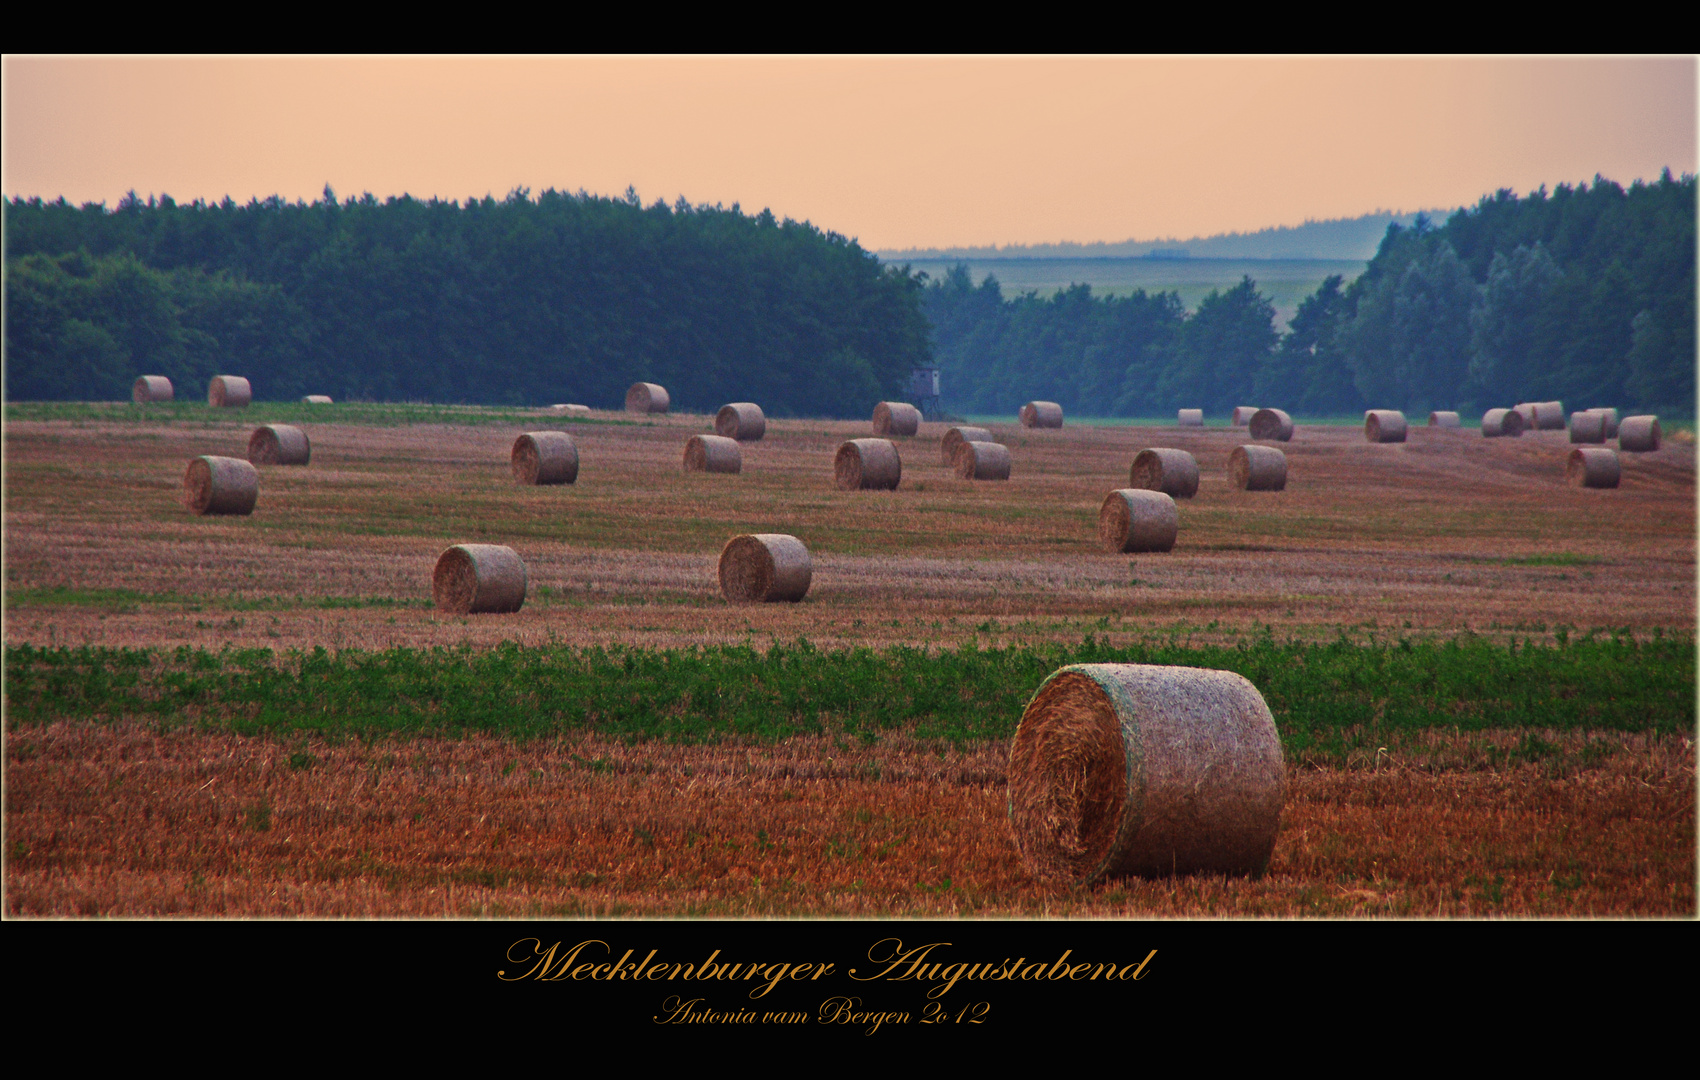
x: 592, y: 960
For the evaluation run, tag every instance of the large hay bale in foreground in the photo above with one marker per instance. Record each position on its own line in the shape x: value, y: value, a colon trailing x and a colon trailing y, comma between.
x: 1587, y: 427
x: 647, y: 397
x: 867, y: 465
x: 1243, y: 414
x: 1122, y: 769
x: 544, y: 457
x: 981, y: 461
x: 152, y: 388
x: 229, y: 392
x: 279, y: 444
x: 1592, y: 467
x: 1497, y: 423
x: 896, y: 418
x: 1611, y: 420
x: 1638, y: 434
x: 1444, y: 420
x: 1257, y: 468
x: 1041, y: 414
x: 1173, y: 472
x: 955, y: 437
x: 764, y: 568
x: 713, y: 454
x: 475, y: 578
x: 221, y: 485
x: 1271, y: 424
x: 316, y: 399
x: 1549, y: 415
x: 1384, y: 426
x: 1135, y: 519
x: 1189, y: 417
x: 741, y: 420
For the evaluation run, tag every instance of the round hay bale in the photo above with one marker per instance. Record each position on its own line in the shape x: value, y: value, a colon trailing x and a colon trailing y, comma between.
x: 982, y: 461
x: 1258, y: 468
x: 1271, y: 424
x: 765, y: 568
x: 646, y: 397
x: 896, y: 418
x: 279, y: 444
x: 741, y: 420
x: 1611, y: 421
x: 221, y: 485
x: 1123, y: 769
x: 152, y: 388
x: 713, y: 453
x: 1189, y: 417
x: 316, y: 399
x: 1041, y: 414
x: 1243, y: 414
x: 1497, y: 423
x: 1444, y: 420
x: 1526, y: 409
x: 1587, y: 427
x: 955, y: 437
x: 474, y: 578
x: 1135, y: 519
x: 867, y: 465
x: 1638, y: 434
x: 571, y: 409
x: 1549, y: 415
x: 545, y: 457
x: 1592, y: 467
x: 1384, y: 426
x: 229, y: 392
x: 1173, y: 472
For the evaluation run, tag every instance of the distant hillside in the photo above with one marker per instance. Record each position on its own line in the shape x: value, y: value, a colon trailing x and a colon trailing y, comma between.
x: 1340, y: 238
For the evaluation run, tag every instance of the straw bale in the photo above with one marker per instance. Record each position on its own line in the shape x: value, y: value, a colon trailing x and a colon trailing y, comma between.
x: 1587, y: 427
x: 896, y: 418
x: 955, y: 437
x: 1526, y: 409
x: 982, y: 461
x: 765, y: 568
x: 221, y: 485
x: 279, y: 444
x: 1549, y: 415
x: 713, y: 453
x: 1173, y: 472
x: 646, y: 397
x: 1189, y: 417
x: 1497, y: 423
x: 1384, y: 426
x: 867, y: 464
x: 152, y: 388
x: 1243, y: 414
x: 475, y: 578
x: 1592, y: 467
x: 316, y: 399
x: 1124, y: 769
x: 1638, y: 434
x: 571, y: 409
x: 229, y: 392
x: 545, y: 457
x: 1271, y: 424
x: 1135, y: 519
x: 1041, y: 414
x: 1258, y: 468
x: 1611, y: 420
x: 1444, y: 420
x: 741, y: 420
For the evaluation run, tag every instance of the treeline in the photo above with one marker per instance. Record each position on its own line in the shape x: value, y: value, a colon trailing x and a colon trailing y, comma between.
x: 1585, y: 295
x: 518, y: 301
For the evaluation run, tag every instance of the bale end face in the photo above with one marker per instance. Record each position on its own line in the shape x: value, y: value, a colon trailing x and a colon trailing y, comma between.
x: 478, y: 578
x: 1502, y: 423
x: 741, y: 420
x: 1135, y: 519
x: 1592, y: 467
x: 764, y: 568
x: 1173, y: 472
x: 279, y: 444
x: 220, y: 485
x: 545, y: 457
x: 713, y: 454
x: 1271, y: 425
x: 867, y: 465
x: 1258, y: 468
x: 1385, y: 426
x: 151, y: 388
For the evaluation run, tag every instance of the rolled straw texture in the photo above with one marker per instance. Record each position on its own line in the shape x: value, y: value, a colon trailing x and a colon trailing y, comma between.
x: 1243, y: 414
x: 1526, y: 409
x: 1444, y: 420
x: 545, y: 457
x: 1611, y: 421
x: 896, y: 418
x: 765, y: 568
x: 1135, y: 519
x: 1549, y: 415
x: 1173, y: 472
x: 152, y: 388
x: 475, y: 578
x: 221, y: 485
x: 229, y: 392
x: 279, y: 444
x: 982, y: 461
x: 1384, y: 426
x: 1271, y: 424
x: 317, y: 399
x: 1587, y: 427
x: 1497, y: 423
x: 867, y: 464
x: 955, y: 437
x: 1257, y: 468
x: 1638, y: 434
x: 646, y: 397
x: 1122, y: 769
x: 713, y: 453
x: 741, y: 420
x: 1592, y: 467
x: 1189, y: 417
x: 1041, y: 414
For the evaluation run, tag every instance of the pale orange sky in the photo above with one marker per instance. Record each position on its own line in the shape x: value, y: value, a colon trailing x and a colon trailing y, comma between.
x: 897, y: 152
